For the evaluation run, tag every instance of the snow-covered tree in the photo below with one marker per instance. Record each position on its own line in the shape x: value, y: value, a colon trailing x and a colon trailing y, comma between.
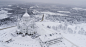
x: 70, y: 30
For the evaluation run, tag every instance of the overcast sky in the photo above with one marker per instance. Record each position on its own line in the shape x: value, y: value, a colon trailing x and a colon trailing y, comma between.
x: 71, y: 2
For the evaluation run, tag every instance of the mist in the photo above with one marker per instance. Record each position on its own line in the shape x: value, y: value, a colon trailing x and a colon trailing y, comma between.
x: 66, y: 2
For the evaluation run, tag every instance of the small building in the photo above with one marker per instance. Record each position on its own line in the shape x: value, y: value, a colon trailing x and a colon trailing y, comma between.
x: 50, y: 39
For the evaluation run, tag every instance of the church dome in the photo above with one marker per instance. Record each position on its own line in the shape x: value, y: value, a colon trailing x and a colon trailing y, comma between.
x: 26, y: 15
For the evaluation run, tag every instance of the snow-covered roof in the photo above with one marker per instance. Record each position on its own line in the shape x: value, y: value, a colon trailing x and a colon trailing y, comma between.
x: 49, y: 37
x: 26, y: 14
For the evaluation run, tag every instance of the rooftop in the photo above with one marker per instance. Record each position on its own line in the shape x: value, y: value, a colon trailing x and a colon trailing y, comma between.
x: 26, y: 14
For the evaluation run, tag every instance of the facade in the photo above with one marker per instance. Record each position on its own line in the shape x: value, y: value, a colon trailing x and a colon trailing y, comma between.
x: 26, y: 25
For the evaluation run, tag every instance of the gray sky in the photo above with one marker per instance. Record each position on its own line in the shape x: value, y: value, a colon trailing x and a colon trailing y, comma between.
x: 71, y: 2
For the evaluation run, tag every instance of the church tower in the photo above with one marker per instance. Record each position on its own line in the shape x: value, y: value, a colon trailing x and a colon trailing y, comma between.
x: 26, y: 25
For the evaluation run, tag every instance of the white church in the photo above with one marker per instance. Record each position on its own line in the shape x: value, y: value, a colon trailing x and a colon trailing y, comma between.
x: 26, y: 25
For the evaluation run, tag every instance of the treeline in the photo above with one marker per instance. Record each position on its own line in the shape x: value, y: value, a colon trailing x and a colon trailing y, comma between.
x: 65, y: 29
x: 7, y: 21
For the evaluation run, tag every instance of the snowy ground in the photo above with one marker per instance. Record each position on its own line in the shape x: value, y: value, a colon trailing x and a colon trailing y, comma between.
x: 2, y: 16
x: 77, y: 39
x: 24, y: 42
